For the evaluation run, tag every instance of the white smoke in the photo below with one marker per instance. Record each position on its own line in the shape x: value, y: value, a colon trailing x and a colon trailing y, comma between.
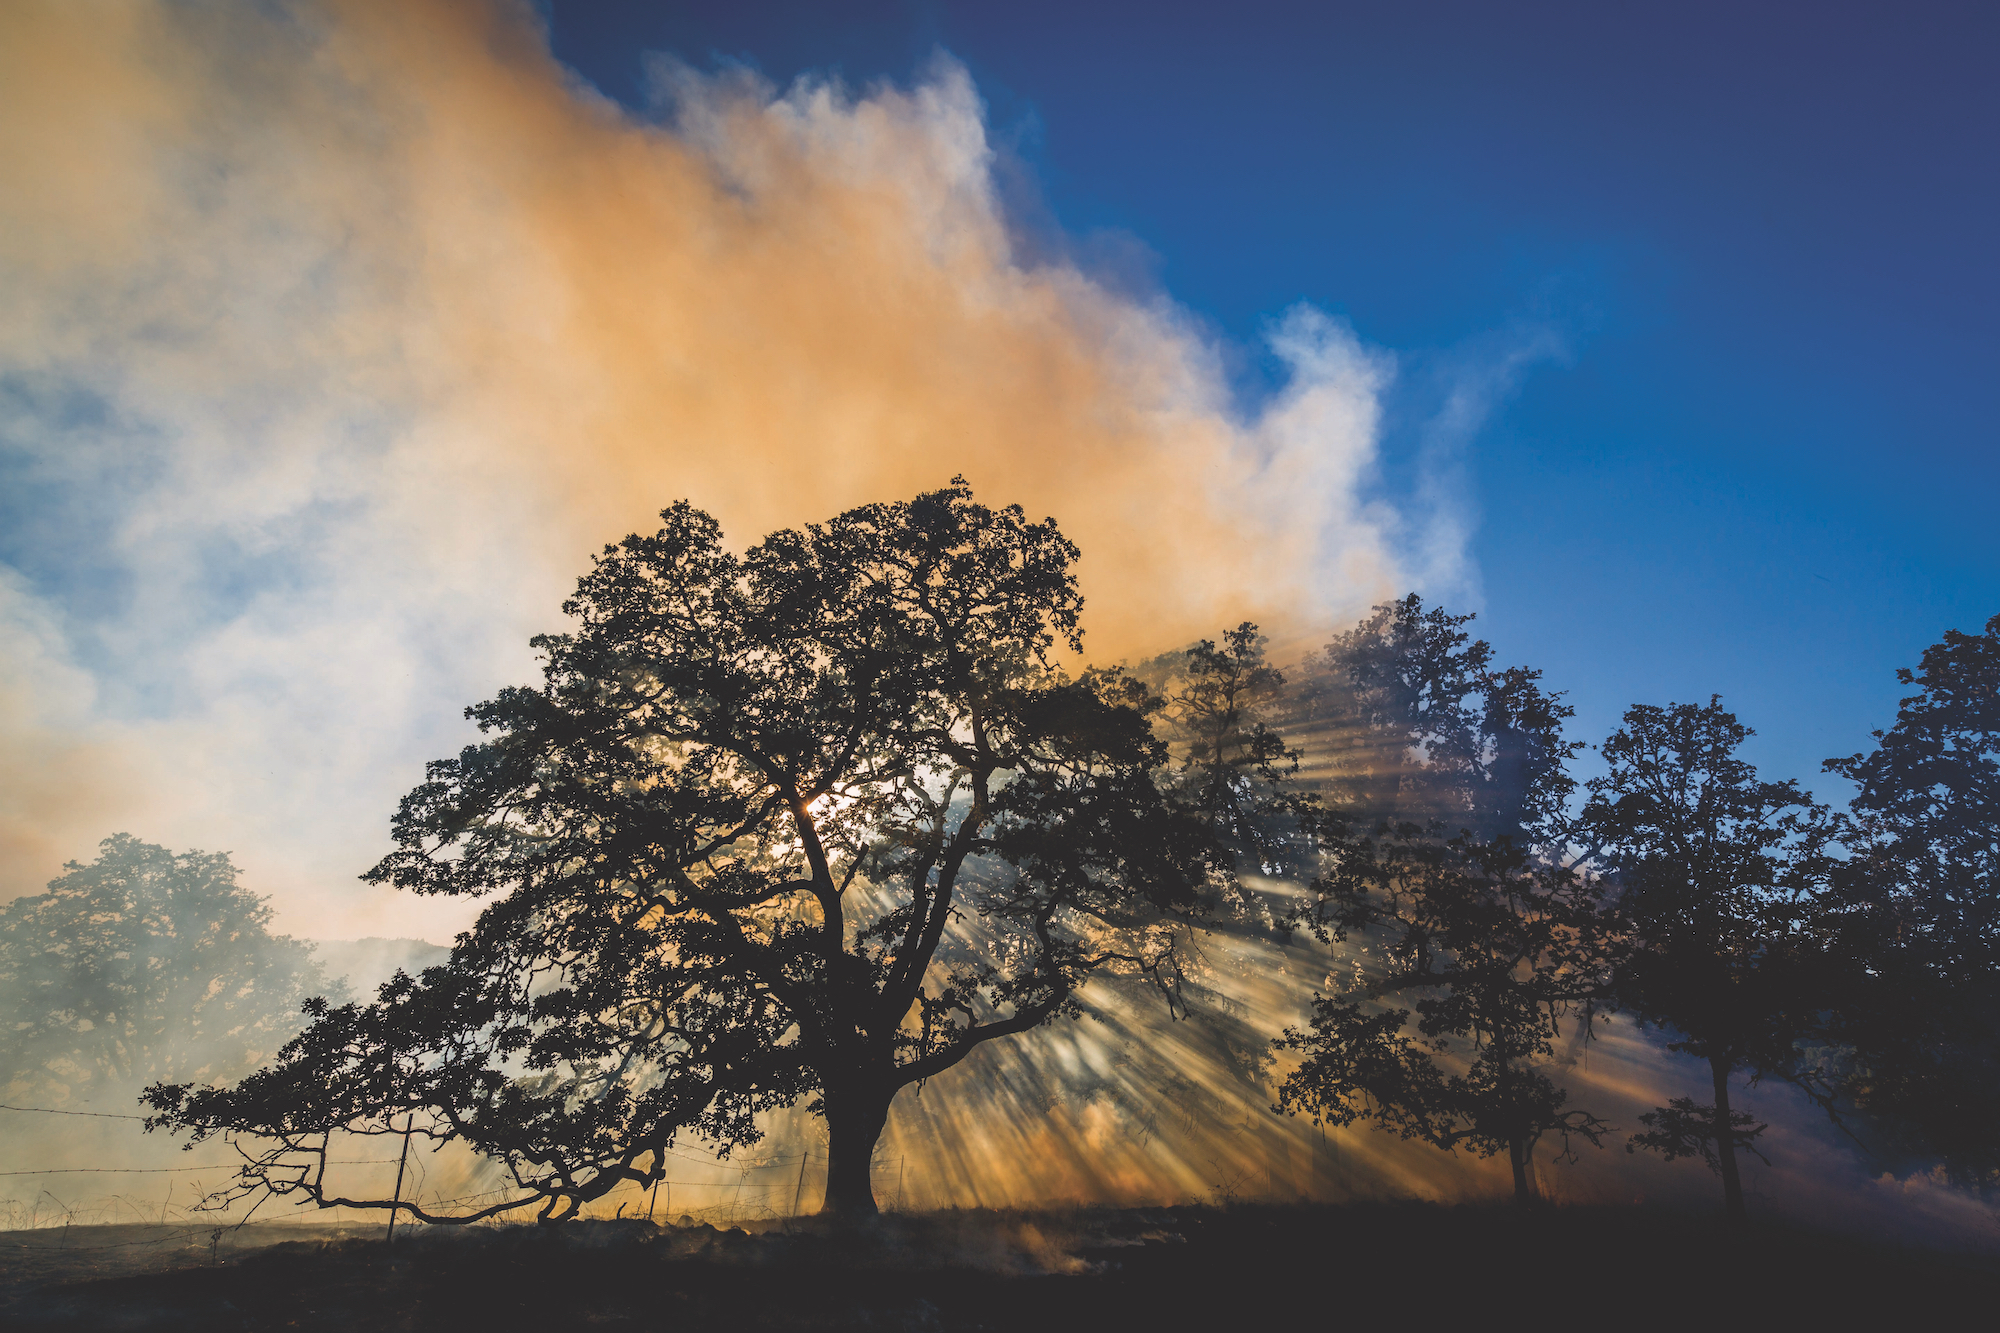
x: 341, y: 334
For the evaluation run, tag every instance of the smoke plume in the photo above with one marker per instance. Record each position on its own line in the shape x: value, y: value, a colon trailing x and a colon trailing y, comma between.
x: 340, y: 334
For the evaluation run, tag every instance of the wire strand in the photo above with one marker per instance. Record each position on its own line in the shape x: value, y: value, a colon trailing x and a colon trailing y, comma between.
x: 50, y: 1110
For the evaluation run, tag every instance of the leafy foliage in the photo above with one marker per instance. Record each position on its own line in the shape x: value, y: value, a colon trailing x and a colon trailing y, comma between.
x: 1237, y: 770
x: 1500, y: 950
x: 1421, y: 727
x: 1498, y: 939
x: 815, y: 822
x: 144, y: 965
x: 1718, y: 870
x: 1720, y: 873
x: 1915, y: 915
x: 1683, y: 1128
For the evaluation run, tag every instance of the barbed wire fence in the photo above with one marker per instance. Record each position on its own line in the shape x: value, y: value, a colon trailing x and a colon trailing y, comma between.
x: 745, y: 1192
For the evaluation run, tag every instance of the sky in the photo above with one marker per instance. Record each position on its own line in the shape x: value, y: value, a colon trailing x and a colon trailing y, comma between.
x: 340, y: 334
x: 1691, y: 304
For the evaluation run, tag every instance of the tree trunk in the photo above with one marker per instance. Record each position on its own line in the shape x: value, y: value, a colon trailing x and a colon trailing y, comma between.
x: 1520, y: 1150
x: 1521, y: 1154
x: 1725, y: 1139
x: 854, y: 1120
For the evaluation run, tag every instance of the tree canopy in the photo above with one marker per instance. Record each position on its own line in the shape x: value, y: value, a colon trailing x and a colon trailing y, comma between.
x: 1218, y: 711
x: 1927, y: 812
x: 1441, y: 870
x: 144, y: 965
x: 1719, y: 874
x: 815, y: 822
x: 1498, y: 949
x: 1853, y: 956
x: 1417, y: 724
x: 1916, y: 915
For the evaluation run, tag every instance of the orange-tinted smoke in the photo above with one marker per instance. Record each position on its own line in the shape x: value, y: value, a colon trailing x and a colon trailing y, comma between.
x: 378, y: 296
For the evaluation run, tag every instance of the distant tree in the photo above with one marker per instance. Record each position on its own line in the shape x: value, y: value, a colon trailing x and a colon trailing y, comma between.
x: 1468, y: 905
x: 1500, y: 948
x: 1686, y: 1128
x: 1718, y: 874
x: 144, y: 966
x: 815, y: 822
x: 1916, y: 914
x: 1238, y: 772
x: 1419, y: 725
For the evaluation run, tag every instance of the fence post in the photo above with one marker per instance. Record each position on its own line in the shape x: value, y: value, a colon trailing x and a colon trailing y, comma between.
x: 409, y: 1123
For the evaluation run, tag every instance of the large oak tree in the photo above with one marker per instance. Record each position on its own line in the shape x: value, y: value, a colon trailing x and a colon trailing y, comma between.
x: 814, y: 823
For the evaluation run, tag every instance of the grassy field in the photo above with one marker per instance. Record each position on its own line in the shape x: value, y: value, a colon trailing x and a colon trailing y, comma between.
x: 1408, y: 1266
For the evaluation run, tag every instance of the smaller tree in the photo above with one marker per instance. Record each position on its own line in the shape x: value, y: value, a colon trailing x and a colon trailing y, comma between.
x: 1685, y: 1128
x: 142, y: 966
x: 1915, y: 916
x: 1237, y: 771
x: 1717, y: 873
x: 1419, y: 725
x: 1442, y: 841
x: 1499, y: 949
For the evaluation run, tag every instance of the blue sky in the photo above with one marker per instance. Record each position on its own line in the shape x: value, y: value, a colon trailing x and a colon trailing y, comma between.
x: 1740, y: 257
x: 340, y: 334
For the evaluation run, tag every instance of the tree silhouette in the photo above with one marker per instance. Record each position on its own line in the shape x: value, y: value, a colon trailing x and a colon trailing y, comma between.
x: 1237, y: 770
x: 1685, y: 1128
x: 141, y: 966
x: 1916, y: 914
x: 1500, y: 948
x: 1718, y: 874
x: 1420, y: 726
x: 1467, y: 905
x: 816, y: 822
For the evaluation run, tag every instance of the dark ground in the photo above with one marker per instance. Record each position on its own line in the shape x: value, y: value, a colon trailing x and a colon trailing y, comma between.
x: 1414, y: 1266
